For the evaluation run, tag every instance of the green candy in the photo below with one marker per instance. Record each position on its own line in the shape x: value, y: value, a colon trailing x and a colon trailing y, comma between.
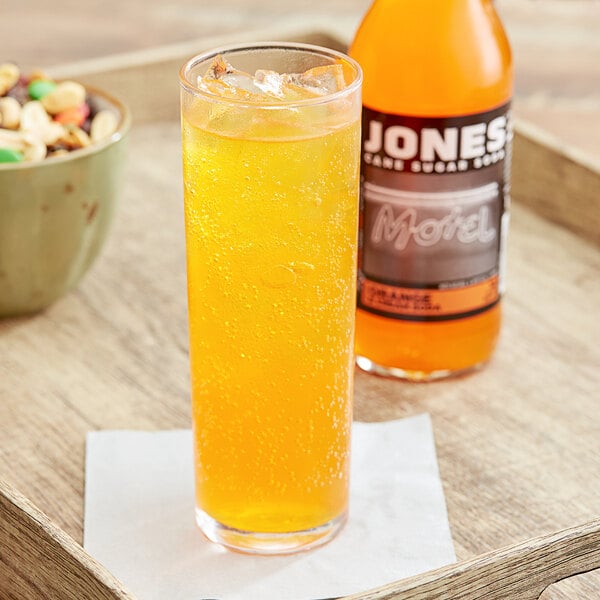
x: 10, y: 156
x: 39, y: 88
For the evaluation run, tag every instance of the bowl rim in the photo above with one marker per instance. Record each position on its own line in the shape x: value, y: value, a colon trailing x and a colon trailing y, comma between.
x: 118, y: 135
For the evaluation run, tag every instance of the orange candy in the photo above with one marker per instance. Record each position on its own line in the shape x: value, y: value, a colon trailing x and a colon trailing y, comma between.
x: 75, y: 115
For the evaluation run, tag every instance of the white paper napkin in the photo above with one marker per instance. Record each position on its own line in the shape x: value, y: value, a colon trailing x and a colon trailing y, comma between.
x: 139, y: 520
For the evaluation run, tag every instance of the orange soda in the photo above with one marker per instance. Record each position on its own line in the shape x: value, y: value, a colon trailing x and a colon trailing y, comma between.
x: 435, y: 185
x: 271, y: 212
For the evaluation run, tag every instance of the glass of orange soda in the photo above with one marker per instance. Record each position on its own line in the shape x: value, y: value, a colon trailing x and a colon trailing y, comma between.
x: 271, y: 144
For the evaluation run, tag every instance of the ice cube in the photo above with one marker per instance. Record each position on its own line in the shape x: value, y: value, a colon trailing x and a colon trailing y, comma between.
x: 321, y: 80
x: 270, y: 82
x: 318, y: 81
x: 224, y: 80
x: 241, y: 81
x: 293, y: 90
x: 218, y: 68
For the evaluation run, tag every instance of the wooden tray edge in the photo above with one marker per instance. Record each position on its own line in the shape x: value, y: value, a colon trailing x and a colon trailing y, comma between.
x: 38, y: 560
x: 41, y: 561
x: 558, y: 182
x: 180, y: 52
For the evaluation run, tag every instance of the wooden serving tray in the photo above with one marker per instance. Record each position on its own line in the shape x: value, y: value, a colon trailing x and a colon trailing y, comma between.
x: 518, y: 442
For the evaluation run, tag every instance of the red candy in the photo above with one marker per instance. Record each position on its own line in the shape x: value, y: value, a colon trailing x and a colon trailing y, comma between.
x: 73, y: 116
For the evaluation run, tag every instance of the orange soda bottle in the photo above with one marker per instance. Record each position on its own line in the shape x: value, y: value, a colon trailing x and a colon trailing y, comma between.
x: 437, y: 133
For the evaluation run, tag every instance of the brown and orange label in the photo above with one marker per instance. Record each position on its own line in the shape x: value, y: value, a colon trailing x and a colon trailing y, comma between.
x: 433, y: 216
x: 427, y: 303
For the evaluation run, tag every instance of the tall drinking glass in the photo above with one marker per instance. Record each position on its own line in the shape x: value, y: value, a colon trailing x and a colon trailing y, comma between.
x: 271, y: 203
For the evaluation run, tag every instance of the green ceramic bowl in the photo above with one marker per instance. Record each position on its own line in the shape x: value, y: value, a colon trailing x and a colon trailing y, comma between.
x: 54, y: 217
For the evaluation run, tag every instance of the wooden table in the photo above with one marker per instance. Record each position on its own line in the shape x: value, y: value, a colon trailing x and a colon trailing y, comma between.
x: 518, y: 442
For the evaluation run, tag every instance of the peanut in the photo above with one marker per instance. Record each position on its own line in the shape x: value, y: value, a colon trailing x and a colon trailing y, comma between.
x: 74, y: 137
x: 34, y: 117
x: 12, y: 140
x: 9, y: 76
x: 35, y: 120
x: 105, y: 123
x: 65, y: 95
x: 10, y: 113
x: 35, y: 148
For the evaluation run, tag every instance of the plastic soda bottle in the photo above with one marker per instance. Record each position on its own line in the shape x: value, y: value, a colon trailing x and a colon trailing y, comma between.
x: 436, y: 142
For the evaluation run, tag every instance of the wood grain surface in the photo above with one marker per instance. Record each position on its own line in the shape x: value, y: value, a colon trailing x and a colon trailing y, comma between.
x: 38, y: 561
x: 518, y: 442
x: 520, y: 571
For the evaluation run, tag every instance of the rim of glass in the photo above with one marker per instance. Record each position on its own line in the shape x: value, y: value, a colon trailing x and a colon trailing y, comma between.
x: 275, y: 104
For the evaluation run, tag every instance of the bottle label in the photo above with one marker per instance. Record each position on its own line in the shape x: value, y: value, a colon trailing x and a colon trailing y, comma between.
x: 434, y: 214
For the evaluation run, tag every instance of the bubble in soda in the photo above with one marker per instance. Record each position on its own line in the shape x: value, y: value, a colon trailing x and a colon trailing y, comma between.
x: 223, y: 79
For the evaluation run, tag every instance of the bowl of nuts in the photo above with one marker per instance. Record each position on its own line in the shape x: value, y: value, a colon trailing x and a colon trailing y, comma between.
x: 62, y: 152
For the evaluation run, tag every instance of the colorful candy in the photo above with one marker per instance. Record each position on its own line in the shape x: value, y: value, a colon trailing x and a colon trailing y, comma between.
x: 75, y: 115
x: 10, y: 156
x: 38, y: 88
x: 40, y: 117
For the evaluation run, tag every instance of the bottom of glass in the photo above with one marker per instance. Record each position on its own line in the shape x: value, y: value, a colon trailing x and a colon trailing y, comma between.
x: 250, y: 542
x: 369, y: 366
